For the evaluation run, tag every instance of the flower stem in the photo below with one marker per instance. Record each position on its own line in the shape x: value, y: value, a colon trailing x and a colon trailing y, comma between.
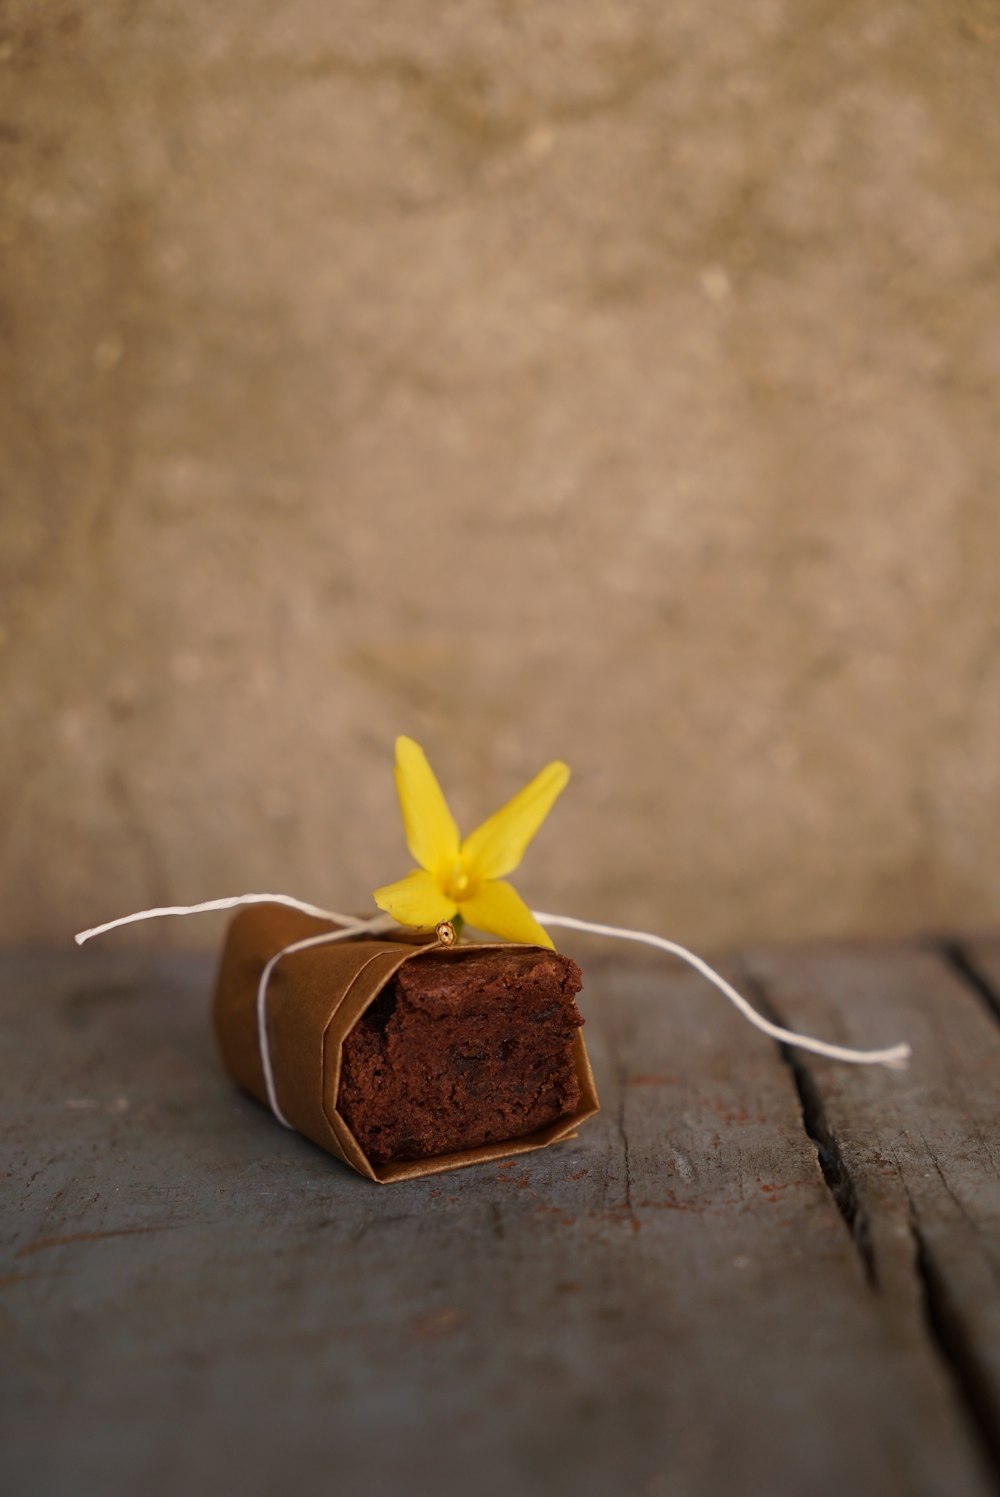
x: 457, y: 925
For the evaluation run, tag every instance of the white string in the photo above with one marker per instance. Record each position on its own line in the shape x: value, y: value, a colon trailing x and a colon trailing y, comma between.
x: 352, y: 925
x: 218, y: 904
x: 895, y: 1057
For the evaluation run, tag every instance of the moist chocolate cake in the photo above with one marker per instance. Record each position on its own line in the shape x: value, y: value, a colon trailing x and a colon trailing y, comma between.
x: 455, y: 1054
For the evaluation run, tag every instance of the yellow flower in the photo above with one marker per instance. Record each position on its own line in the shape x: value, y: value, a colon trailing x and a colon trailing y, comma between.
x: 465, y: 877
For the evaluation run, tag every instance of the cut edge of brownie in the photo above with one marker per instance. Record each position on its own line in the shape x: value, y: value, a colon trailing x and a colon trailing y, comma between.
x: 461, y: 1050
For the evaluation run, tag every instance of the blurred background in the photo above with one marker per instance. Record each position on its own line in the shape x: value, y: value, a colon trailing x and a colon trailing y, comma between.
x: 610, y: 381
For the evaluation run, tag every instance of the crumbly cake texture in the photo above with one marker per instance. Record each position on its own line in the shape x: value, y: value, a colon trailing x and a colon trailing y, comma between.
x: 455, y: 1054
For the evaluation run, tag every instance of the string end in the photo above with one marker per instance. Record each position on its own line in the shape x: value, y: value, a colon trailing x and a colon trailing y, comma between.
x: 896, y: 1058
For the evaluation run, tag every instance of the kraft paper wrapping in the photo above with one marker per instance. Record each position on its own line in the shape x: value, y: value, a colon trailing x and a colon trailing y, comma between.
x: 315, y: 998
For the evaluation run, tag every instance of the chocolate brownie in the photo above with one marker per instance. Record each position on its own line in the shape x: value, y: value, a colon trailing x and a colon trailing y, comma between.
x: 457, y: 1053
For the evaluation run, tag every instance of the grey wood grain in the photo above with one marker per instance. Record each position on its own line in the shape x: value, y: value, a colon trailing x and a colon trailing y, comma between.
x: 919, y: 1152
x: 194, y: 1300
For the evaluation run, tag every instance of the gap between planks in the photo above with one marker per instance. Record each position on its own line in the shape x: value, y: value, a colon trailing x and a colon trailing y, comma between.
x: 946, y: 1331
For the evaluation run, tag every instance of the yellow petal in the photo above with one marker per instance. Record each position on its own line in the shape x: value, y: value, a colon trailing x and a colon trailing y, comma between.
x: 416, y: 899
x: 499, y: 909
x: 431, y: 833
x: 496, y: 847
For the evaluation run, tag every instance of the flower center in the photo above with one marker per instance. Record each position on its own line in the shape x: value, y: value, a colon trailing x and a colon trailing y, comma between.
x: 458, y: 883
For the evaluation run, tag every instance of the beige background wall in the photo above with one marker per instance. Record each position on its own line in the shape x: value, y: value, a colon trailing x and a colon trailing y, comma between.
x: 605, y: 380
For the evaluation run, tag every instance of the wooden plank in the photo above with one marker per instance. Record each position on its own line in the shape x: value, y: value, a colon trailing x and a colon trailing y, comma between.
x: 920, y: 1150
x: 669, y: 1304
x: 979, y: 963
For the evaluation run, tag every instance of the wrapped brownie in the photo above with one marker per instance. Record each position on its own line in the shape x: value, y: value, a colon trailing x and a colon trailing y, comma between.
x: 400, y: 1055
x: 402, y: 1052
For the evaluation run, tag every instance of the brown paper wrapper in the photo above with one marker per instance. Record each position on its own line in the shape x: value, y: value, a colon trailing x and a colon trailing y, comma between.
x: 314, y: 999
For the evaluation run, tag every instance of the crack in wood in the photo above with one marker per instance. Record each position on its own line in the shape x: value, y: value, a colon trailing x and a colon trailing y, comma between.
x: 951, y: 1338
x: 833, y: 1166
x: 623, y: 1135
x: 496, y: 1221
x: 956, y: 1353
x: 627, y: 1209
x: 958, y: 959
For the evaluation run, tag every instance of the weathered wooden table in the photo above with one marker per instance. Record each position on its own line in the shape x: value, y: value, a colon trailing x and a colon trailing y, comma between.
x: 753, y: 1273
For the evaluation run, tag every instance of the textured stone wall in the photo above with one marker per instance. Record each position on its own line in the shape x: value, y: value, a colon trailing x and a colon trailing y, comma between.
x: 606, y: 380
